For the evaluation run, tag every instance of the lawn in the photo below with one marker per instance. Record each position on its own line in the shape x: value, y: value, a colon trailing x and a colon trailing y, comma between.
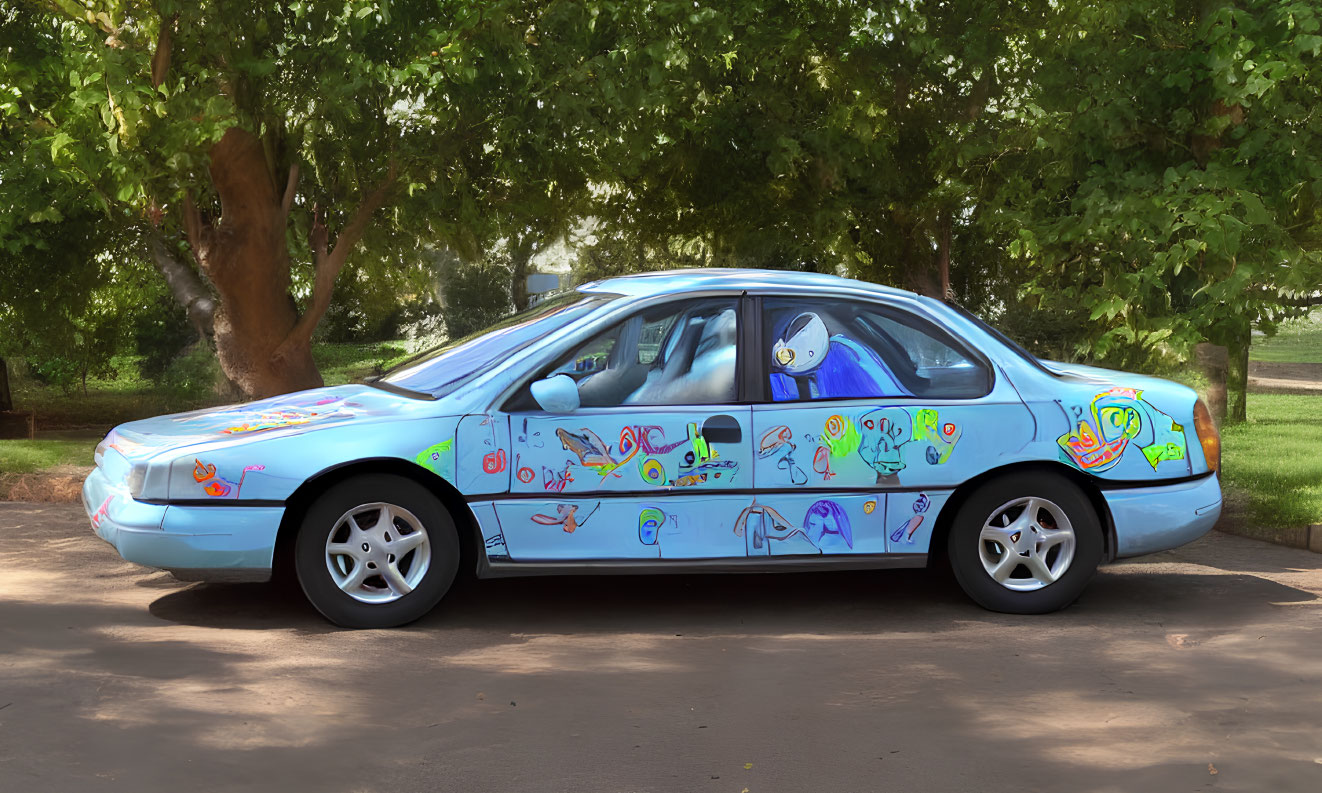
x: 1271, y: 462
x: 1296, y: 341
x: 127, y: 395
x: 24, y: 457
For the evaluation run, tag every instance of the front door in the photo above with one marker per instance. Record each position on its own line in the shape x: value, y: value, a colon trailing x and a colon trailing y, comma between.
x: 646, y: 466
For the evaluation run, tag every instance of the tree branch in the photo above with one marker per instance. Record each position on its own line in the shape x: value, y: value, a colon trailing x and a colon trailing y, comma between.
x: 185, y: 284
x: 329, y: 262
x: 160, y: 60
x: 195, y: 229
x: 291, y: 187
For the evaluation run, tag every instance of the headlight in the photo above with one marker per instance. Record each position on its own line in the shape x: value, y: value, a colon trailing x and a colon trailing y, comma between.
x: 137, y: 477
x: 1207, y: 435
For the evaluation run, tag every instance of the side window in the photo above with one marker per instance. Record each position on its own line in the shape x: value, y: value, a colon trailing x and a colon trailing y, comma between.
x: 854, y: 350
x: 676, y: 354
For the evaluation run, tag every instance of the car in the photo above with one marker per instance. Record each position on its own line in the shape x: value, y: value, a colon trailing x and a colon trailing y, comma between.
x: 687, y: 421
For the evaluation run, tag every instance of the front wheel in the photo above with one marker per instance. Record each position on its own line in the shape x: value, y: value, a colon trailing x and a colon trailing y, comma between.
x: 376, y: 551
x: 1025, y: 543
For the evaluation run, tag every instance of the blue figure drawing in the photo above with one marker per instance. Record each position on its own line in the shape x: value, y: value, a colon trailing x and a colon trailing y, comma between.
x: 905, y: 532
x: 809, y: 363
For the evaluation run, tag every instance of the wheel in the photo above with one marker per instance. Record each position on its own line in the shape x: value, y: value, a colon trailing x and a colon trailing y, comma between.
x: 1025, y: 543
x: 376, y: 551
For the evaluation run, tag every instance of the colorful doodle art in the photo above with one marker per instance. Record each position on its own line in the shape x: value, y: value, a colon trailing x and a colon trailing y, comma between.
x: 810, y: 363
x: 905, y: 532
x: 650, y: 520
x: 840, y: 436
x: 594, y: 453
x: 102, y: 512
x: 1114, y: 419
x: 244, y: 475
x: 436, y: 458
x: 556, y: 482
x: 942, y: 436
x: 885, y: 432
x: 566, y: 517
x: 869, y: 506
x: 825, y: 526
x: 216, y: 486
x: 526, y: 475
x: 494, y: 462
x: 202, y: 472
x: 774, y: 440
x: 652, y: 471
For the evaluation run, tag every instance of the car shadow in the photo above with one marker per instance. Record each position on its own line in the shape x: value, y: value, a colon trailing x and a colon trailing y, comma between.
x: 829, y: 602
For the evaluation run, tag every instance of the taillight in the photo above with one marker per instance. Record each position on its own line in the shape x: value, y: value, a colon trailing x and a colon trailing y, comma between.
x: 1207, y: 435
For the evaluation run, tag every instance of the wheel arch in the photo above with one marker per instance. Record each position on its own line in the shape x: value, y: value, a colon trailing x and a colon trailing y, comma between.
x: 296, y: 506
x: 944, y: 521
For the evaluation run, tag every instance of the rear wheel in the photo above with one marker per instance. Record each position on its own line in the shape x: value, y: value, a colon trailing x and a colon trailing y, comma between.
x: 1025, y: 543
x: 376, y: 551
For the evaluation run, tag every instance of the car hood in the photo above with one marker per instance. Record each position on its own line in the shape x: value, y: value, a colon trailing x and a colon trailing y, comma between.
x: 287, y: 414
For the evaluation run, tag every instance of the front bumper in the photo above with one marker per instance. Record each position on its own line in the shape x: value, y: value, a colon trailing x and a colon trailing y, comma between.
x: 195, y: 543
x: 1151, y: 519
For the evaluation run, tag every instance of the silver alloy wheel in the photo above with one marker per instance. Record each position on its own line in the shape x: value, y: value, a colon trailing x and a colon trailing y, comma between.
x: 1026, y: 544
x: 382, y: 562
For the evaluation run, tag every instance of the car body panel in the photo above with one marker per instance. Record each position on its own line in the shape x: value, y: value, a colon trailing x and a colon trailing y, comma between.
x: 686, y: 487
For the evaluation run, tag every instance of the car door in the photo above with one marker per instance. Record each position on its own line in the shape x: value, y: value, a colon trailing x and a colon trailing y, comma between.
x: 871, y: 414
x: 656, y: 461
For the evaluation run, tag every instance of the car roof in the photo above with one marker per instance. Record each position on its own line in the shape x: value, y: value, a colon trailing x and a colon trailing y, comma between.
x: 732, y: 279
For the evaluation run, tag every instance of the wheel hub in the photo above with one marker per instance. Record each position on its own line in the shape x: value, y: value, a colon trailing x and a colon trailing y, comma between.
x: 378, y: 552
x: 1026, y: 544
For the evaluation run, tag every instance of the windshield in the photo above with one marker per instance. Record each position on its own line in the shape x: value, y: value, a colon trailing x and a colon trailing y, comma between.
x: 1000, y: 336
x: 444, y: 368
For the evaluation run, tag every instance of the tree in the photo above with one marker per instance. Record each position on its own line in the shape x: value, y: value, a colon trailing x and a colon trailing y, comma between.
x: 251, y: 130
x: 1164, y: 170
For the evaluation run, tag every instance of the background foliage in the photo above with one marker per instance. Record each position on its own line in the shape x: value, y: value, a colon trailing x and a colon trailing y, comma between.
x: 1110, y: 181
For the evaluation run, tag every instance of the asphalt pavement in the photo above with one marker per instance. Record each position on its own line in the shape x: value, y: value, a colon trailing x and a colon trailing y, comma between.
x: 1197, y: 669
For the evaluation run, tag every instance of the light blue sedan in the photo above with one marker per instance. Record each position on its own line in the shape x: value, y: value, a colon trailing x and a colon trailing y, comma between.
x: 709, y: 420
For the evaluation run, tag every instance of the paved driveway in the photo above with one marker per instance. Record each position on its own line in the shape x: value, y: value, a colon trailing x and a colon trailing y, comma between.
x: 1199, y: 669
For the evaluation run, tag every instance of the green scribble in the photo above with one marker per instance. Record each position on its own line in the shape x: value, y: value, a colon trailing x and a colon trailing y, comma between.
x: 434, y: 459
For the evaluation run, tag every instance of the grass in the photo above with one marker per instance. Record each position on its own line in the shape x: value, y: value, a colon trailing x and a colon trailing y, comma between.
x: 1271, y: 462
x: 345, y: 363
x: 1296, y: 341
x: 24, y: 457
x: 128, y: 396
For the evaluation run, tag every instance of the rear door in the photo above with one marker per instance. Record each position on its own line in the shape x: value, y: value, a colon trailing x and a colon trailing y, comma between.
x: 656, y: 463
x: 870, y: 416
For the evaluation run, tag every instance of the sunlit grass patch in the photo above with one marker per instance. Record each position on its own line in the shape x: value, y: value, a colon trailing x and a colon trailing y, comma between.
x: 1273, y: 461
x: 25, y: 457
x: 1296, y: 341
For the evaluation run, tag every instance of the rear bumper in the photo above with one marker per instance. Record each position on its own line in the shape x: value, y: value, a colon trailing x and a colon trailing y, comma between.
x: 195, y: 543
x: 1151, y: 519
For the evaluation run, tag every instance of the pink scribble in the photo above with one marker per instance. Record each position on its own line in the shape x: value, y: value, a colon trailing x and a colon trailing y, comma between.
x: 246, y: 469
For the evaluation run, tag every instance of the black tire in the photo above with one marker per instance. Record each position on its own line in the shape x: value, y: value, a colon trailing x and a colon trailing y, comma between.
x: 312, y: 567
x: 964, y: 543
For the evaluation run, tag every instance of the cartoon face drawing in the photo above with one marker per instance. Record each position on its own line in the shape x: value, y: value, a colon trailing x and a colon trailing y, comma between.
x: 803, y: 346
x: 827, y: 524
x: 884, y: 433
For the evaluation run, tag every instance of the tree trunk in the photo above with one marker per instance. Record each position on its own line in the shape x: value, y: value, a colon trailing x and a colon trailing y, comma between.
x: 943, y: 254
x: 520, y: 256
x: 1214, y: 360
x: 1239, y: 375
x: 245, y: 256
x: 6, y: 398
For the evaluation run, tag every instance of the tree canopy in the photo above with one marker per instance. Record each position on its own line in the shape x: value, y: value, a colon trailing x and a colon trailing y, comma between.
x: 1115, y: 180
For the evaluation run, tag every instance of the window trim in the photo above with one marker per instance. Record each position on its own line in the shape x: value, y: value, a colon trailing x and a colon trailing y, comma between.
x: 509, y: 401
x: 761, y: 373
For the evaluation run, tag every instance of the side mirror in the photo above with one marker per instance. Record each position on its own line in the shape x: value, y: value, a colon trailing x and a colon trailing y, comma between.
x: 556, y: 394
